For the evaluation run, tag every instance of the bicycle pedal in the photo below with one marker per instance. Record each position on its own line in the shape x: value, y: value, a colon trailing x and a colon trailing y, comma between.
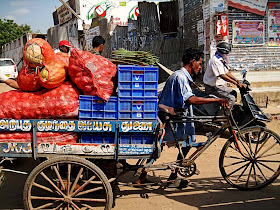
x: 197, y: 172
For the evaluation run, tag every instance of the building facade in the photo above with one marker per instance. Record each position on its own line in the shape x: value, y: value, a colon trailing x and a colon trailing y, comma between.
x: 252, y: 27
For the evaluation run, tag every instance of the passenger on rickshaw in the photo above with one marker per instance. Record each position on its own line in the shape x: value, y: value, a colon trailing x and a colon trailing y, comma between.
x: 177, y: 96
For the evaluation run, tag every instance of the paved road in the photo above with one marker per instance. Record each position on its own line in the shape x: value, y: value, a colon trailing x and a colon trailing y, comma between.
x: 206, y: 191
x: 262, y: 81
x: 260, y: 76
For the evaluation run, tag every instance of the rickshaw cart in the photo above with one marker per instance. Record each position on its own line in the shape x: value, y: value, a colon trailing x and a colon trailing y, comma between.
x: 67, y: 176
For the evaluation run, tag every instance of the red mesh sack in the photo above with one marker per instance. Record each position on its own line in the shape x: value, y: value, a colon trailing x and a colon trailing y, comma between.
x: 61, y: 102
x: 64, y: 57
x: 25, y: 137
x: 53, y: 73
x: 28, y: 79
x: 37, y: 52
x: 92, y: 73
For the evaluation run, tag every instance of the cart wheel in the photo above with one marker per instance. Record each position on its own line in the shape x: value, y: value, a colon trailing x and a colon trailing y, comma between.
x: 258, y: 166
x: 67, y: 182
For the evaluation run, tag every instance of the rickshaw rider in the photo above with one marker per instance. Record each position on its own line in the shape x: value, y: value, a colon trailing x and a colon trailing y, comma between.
x: 177, y: 95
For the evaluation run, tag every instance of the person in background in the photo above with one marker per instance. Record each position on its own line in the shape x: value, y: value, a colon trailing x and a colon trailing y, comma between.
x: 217, y: 74
x: 97, y: 45
x: 271, y: 41
x: 277, y: 41
x: 177, y: 95
x: 12, y: 83
x: 64, y: 46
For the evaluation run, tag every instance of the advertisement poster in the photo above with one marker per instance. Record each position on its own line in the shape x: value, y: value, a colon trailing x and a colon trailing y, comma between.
x: 274, y: 24
x: 89, y: 36
x: 248, y: 32
x: 254, y: 6
x: 120, y: 10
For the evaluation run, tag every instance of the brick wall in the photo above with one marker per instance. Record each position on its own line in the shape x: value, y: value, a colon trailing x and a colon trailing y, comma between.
x: 252, y: 57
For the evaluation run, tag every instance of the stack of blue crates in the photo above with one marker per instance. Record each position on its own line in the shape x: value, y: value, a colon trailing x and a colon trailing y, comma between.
x: 137, y: 100
x: 137, y: 92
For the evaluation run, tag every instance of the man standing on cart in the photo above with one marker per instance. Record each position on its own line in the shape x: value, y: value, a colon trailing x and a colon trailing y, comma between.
x: 177, y: 96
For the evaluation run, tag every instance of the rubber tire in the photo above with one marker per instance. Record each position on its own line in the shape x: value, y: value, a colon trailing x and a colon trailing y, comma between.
x: 223, y: 152
x: 34, y: 173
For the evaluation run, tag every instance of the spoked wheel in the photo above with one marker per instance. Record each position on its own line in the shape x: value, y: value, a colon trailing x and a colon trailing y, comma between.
x: 67, y: 182
x: 259, y: 163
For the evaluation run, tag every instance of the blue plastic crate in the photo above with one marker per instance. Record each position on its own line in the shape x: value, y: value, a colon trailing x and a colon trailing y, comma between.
x: 97, y: 138
x: 150, y: 105
x: 151, y: 85
x: 150, y: 93
x: 85, y: 114
x: 138, y: 93
x: 139, y: 138
x: 93, y: 107
x: 150, y: 115
x: 125, y: 115
x: 124, y: 138
x: 85, y: 102
x: 138, y: 85
x: 125, y: 85
x: 138, y: 108
x: 137, y: 81
x: 151, y: 75
x: 138, y: 76
x: 125, y: 93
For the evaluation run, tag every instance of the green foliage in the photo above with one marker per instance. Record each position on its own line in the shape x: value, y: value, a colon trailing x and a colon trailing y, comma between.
x: 10, y: 31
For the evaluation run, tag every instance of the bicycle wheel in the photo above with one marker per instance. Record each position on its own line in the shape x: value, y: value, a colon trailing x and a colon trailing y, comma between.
x: 258, y: 163
x: 67, y: 182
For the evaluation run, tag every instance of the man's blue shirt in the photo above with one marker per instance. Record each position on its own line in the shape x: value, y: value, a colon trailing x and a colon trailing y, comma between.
x: 177, y: 89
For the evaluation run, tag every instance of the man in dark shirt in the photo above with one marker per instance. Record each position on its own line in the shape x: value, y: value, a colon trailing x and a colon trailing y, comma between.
x: 98, y: 43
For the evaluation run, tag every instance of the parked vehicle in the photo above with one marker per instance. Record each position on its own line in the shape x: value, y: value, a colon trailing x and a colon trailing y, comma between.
x: 8, y: 67
x: 246, y: 114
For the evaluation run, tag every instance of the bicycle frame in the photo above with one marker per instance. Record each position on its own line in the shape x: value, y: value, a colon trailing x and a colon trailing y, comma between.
x: 225, y: 120
x: 201, y: 147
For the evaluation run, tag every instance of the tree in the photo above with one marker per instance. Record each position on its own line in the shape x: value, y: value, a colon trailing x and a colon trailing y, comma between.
x: 10, y: 31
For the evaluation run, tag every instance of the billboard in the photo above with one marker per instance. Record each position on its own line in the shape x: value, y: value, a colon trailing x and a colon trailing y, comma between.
x: 248, y: 32
x: 273, y: 24
x: 254, y: 6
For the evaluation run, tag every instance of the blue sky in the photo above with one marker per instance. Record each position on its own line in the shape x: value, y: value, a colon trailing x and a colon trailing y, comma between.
x: 36, y: 13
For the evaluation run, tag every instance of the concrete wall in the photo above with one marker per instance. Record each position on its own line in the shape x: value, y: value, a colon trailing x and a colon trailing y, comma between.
x: 14, y: 49
x: 67, y: 31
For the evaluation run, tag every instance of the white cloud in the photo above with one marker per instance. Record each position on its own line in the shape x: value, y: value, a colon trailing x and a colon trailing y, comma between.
x: 20, y: 11
x: 19, y: 3
x: 10, y: 17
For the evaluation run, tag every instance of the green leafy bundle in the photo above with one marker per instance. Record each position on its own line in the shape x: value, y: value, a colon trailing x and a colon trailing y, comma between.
x: 126, y: 57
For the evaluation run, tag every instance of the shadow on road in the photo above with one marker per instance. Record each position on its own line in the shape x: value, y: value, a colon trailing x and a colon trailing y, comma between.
x: 202, y: 193
x: 215, y: 193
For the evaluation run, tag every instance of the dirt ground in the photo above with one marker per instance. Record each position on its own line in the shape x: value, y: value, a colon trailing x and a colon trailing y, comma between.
x: 207, y: 190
